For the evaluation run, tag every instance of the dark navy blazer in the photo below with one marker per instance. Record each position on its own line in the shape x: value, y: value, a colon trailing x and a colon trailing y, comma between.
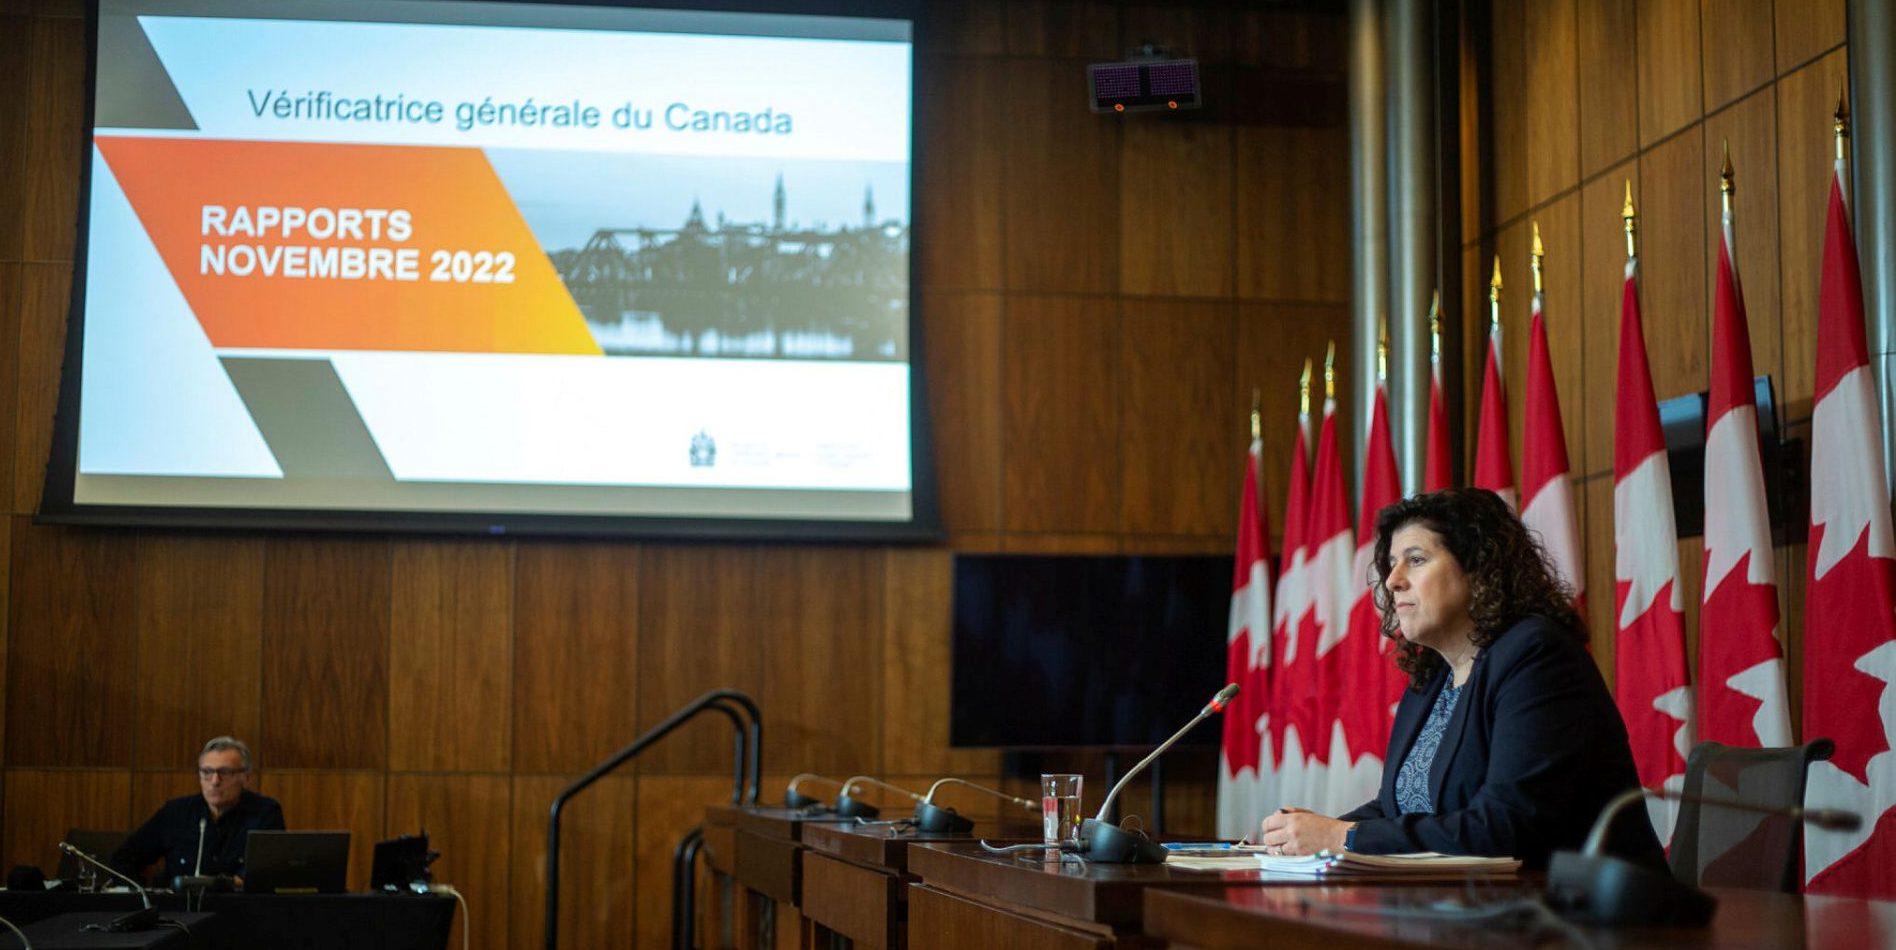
x: 1534, y: 749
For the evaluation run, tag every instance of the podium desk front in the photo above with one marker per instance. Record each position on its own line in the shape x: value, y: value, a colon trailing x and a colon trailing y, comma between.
x: 757, y: 859
x: 855, y: 877
x: 1331, y: 915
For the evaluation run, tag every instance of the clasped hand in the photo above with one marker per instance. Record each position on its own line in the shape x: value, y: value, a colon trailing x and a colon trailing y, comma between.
x: 1302, y: 831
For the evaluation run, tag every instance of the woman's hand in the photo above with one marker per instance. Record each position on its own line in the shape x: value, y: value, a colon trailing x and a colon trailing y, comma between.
x: 1301, y: 831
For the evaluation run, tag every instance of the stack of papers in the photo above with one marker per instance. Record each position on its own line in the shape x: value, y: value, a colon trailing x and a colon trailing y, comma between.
x: 1347, y: 864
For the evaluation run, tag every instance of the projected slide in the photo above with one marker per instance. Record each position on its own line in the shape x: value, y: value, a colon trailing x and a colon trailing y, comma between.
x: 498, y: 258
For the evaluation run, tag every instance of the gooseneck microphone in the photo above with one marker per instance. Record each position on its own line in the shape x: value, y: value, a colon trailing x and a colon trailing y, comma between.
x: 1596, y: 886
x: 931, y: 817
x: 849, y: 807
x: 795, y: 799
x: 143, y: 919
x: 1107, y: 843
x: 197, y: 870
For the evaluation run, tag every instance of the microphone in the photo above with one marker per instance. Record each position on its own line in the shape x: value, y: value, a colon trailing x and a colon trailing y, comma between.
x: 1106, y: 843
x: 197, y: 870
x: 934, y: 818
x: 1601, y: 888
x: 851, y: 808
x: 143, y: 919
x: 795, y: 799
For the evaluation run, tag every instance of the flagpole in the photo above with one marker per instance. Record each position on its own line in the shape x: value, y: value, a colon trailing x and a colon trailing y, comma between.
x: 1535, y: 252
x: 1494, y: 301
x: 1329, y: 372
x: 1629, y: 216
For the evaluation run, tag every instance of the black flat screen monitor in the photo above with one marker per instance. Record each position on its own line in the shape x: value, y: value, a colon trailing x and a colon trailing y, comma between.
x: 1065, y: 651
x: 296, y: 862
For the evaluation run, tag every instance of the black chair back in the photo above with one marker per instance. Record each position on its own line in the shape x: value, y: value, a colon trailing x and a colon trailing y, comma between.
x: 1725, y: 847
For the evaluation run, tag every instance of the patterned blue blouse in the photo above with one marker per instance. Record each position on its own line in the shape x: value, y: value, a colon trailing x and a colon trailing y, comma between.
x: 1412, y: 780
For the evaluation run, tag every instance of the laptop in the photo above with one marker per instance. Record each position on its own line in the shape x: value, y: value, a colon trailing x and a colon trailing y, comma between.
x: 296, y: 862
x: 99, y: 844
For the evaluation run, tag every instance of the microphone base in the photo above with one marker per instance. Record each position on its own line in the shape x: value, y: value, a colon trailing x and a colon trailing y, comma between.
x: 795, y: 799
x: 1613, y: 891
x: 935, y: 819
x: 1107, y: 843
x: 848, y: 807
x: 142, y: 919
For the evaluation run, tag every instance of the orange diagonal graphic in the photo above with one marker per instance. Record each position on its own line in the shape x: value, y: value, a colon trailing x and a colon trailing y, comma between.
x: 319, y: 286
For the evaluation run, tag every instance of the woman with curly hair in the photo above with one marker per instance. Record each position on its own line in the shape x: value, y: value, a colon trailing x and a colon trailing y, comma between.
x: 1506, y: 742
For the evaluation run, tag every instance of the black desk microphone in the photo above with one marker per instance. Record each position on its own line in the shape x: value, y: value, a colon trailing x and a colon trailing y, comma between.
x: 143, y: 919
x: 931, y: 817
x: 1107, y: 843
x: 1595, y: 886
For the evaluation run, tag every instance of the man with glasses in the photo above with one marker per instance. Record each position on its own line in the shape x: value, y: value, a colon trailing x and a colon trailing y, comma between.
x: 204, y: 834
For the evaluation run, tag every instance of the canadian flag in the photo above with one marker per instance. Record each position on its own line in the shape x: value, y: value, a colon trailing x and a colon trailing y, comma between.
x: 1649, y: 656
x: 1742, y: 701
x: 1245, y: 771
x: 1548, y: 511
x: 1493, y: 470
x: 1850, y: 598
x: 1293, y: 666
x: 1370, y: 684
x: 1332, y: 551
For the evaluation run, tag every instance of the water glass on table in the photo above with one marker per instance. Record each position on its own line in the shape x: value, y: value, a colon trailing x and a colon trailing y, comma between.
x: 1059, y: 808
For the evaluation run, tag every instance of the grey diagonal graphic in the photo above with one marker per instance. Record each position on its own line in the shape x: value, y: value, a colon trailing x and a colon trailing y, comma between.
x: 135, y: 89
x: 307, y: 418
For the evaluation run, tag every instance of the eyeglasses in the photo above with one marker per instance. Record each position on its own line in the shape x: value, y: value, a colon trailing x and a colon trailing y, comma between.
x: 220, y: 773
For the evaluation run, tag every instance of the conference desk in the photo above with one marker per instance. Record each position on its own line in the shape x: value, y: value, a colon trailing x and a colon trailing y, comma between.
x: 86, y: 931
x: 855, y: 877
x: 300, y: 922
x: 1329, y: 916
x: 755, y: 854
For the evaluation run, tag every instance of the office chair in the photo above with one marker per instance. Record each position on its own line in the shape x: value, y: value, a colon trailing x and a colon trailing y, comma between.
x: 1725, y: 847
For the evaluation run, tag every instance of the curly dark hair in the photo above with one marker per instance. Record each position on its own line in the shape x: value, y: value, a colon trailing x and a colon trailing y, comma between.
x: 1508, y: 573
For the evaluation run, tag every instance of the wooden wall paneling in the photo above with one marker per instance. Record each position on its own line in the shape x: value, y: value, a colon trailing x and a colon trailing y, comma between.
x: 668, y: 806
x: 1603, y: 259
x: 1175, y: 194
x: 1691, y: 595
x: 1183, y: 438
x: 1806, y: 29
x: 596, y: 856
x: 6, y: 597
x: 11, y: 293
x: 820, y: 630
x: 1806, y: 99
x: 1208, y: 544
x: 41, y: 805
x: 199, y: 606
x: 1085, y: 29
x: 1273, y: 341
x: 962, y: 374
x: 1205, y: 31
x: 1292, y: 39
x: 917, y: 601
x: 1601, y: 586
x: 1670, y: 92
x: 1517, y: 299
x: 355, y: 802
x: 972, y: 28
x: 958, y: 167
x: 576, y: 653
x: 462, y: 815
x: 1672, y: 264
x: 1057, y: 543
x: 1061, y: 183
x: 151, y: 789
x: 1791, y: 565
x: 15, y: 55
x: 45, y: 290
x: 1472, y: 71
x: 706, y: 625
x: 325, y: 653
x: 1293, y: 222
x: 1751, y: 128
x: 451, y: 657
x: 1477, y: 267
x: 1737, y: 37
x: 70, y: 663
x: 1508, y: 67
x: 1565, y: 319
x: 1608, y: 87
x: 1553, y: 130
x: 55, y: 117
x: 1060, y: 414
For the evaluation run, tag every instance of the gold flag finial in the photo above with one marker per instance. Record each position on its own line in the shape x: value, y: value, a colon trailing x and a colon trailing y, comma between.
x: 1382, y: 349
x: 1435, y: 327
x: 1534, y: 254
x: 1329, y: 372
x: 1628, y: 215
x: 1727, y: 183
x: 1303, y: 389
x: 1257, y: 414
x: 1840, y: 123
x: 1494, y: 295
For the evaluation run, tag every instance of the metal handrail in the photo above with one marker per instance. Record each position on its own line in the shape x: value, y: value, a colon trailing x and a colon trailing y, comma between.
x: 750, y: 741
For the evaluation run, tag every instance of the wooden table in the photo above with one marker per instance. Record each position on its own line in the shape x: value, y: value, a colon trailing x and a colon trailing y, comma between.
x: 755, y: 854
x: 856, y: 877
x: 1332, y: 915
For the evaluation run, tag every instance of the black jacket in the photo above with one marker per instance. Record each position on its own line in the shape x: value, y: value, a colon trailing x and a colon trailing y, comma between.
x: 172, y: 834
x: 1534, y: 749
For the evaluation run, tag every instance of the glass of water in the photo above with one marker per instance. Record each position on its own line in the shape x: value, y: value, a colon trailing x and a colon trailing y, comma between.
x: 1059, y: 808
